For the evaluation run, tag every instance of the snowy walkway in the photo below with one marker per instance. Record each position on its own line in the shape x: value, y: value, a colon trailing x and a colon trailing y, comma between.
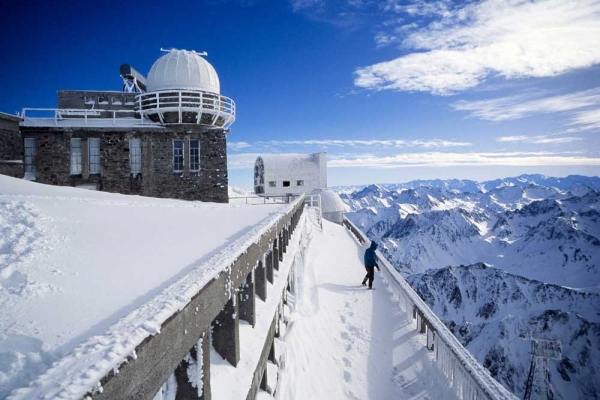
x: 346, y: 342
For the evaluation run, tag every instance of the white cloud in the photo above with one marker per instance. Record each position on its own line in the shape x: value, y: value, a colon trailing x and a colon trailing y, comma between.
x: 238, y: 145
x: 586, y: 120
x: 426, y: 144
x: 465, y: 45
x: 241, y: 161
x: 437, y: 159
x: 515, y: 107
x: 298, y: 5
x: 538, y: 139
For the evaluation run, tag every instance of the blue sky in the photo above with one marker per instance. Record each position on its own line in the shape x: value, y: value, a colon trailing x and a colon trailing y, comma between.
x: 392, y: 90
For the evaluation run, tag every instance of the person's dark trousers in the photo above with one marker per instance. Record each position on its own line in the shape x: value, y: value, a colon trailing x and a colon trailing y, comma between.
x: 370, y: 276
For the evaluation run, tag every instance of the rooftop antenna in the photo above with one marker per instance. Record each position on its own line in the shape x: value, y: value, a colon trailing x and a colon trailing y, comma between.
x: 203, y: 53
x: 538, y: 384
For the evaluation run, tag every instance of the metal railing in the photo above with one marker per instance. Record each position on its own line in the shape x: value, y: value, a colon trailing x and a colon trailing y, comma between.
x: 81, y: 116
x: 207, y: 108
x: 282, y: 199
x: 465, y: 374
x: 314, y: 200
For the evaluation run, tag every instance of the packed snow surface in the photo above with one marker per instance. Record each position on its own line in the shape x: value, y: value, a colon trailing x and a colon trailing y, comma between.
x: 91, y: 274
x: 347, y: 342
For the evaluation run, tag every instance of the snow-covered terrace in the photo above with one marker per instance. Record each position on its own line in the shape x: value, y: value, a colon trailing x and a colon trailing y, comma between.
x: 75, y: 264
x: 86, y: 277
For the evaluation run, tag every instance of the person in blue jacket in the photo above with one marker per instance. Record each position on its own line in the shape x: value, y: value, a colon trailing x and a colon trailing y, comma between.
x: 370, y: 264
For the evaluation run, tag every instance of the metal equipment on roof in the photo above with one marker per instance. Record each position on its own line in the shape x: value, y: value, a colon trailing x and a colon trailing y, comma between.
x: 133, y: 81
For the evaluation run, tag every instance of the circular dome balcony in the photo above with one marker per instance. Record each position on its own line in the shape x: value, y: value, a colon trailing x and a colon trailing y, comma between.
x: 183, y: 88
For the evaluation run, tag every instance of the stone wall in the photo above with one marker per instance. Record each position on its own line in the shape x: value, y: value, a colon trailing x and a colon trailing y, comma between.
x: 11, y: 146
x: 156, y: 179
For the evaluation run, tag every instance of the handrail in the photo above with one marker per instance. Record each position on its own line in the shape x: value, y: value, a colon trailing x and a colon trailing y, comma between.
x: 222, y: 108
x: 84, y: 115
x: 285, y: 199
x: 449, y: 351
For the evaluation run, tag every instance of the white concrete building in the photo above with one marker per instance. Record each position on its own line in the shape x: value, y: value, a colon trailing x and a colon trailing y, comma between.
x: 281, y: 174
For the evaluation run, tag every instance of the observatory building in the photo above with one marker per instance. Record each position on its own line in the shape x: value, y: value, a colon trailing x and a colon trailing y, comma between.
x: 283, y: 174
x: 164, y: 136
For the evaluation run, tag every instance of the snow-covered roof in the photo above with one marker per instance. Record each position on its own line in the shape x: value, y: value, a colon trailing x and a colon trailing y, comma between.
x: 183, y: 70
x: 289, y: 165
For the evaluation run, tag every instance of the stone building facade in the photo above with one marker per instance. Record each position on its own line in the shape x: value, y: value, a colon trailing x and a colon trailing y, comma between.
x: 11, y: 146
x: 168, y: 142
x: 156, y: 176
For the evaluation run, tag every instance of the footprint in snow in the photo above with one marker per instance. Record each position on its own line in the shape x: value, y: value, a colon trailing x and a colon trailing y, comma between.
x: 347, y: 376
x: 347, y: 362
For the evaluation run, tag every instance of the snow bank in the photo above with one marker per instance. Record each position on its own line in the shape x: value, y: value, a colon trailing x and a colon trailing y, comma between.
x: 87, y: 276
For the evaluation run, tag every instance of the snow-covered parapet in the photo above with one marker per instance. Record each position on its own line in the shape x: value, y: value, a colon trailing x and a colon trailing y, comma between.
x: 464, y: 373
x: 137, y: 354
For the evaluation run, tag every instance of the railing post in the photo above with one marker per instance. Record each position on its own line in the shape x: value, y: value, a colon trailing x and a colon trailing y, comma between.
x: 272, y: 353
x: 423, y: 328
x: 279, y: 249
x: 269, y: 264
x: 287, y: 236
x: 185, y: 389
x: 260, y: 280
x: 430, y: 338
x: 226, y: 332
x: 247, y: 301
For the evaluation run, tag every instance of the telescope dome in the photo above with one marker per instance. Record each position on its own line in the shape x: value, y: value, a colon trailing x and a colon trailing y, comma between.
x: 183, y: 70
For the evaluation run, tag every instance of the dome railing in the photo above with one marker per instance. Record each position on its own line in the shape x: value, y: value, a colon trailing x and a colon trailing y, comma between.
x: 184, y: 106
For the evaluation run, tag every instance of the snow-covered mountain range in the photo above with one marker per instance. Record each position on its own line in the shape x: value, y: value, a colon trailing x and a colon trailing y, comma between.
x: 499, y: 262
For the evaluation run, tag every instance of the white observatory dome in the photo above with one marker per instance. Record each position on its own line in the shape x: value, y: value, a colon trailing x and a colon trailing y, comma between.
x: 332, y: 206
x: 183, y: 70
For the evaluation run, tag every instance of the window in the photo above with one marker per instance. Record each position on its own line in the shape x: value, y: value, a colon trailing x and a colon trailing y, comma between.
x: 286, y: 183
x: 135, y: 156
x: 94, y: 155
x: 30, y: 172
x: 75, y: 156
x: 300, y: 183
x: 177, y: 155
x: 194, y: 155
x: 272, y: 184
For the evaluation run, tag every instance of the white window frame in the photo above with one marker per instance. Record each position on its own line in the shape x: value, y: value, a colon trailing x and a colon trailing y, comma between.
x: 76, y: 164
x: 94, y: 156
x: 195, y: 158
x: 135, y: 156
x: 29, y: 149
x: 176, y: 155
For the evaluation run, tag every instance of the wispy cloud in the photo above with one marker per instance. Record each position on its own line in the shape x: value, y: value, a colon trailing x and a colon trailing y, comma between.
x: 238, y: 145
x: 425, y: 144
x: 538, y: 139
x: 586, y: 120
x: 298, y: 5
x: 438, y: 159
x: 515, y: 107
x: 242, y: 161
x: 466, y: 44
